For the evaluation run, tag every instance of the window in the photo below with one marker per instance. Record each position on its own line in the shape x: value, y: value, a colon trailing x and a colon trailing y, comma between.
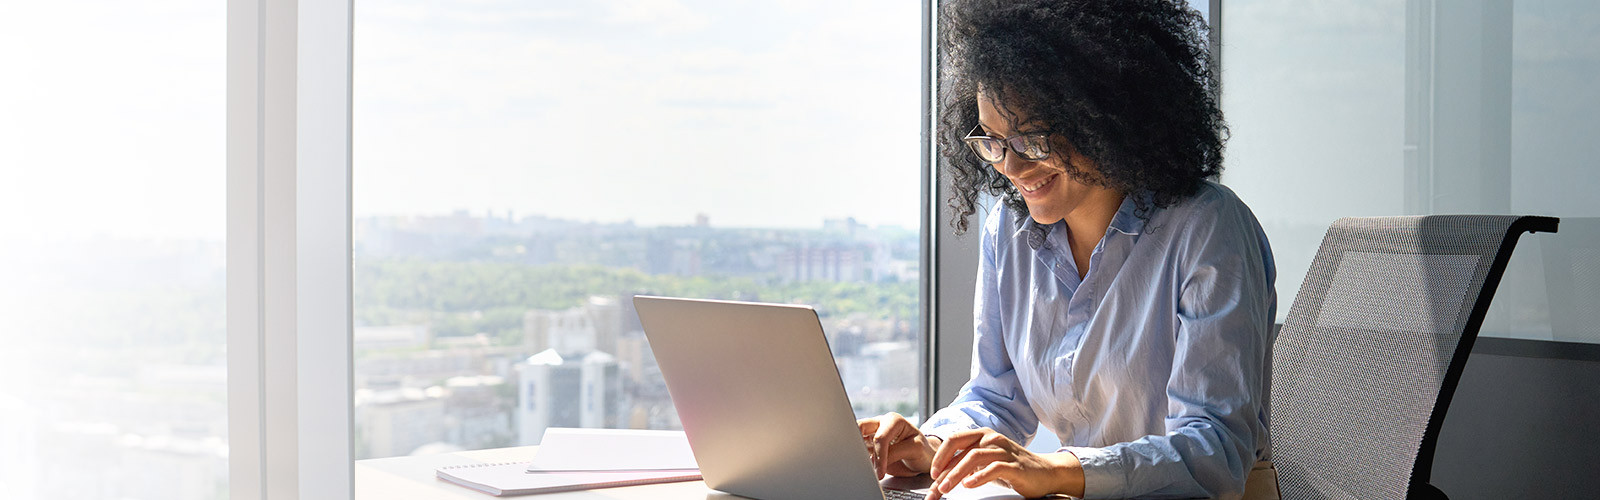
x: 1388, y: 108
x: 522, y: 169
x: 111, y: 267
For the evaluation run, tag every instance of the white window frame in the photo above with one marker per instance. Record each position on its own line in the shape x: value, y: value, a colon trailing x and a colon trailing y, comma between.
x: 288, y: 249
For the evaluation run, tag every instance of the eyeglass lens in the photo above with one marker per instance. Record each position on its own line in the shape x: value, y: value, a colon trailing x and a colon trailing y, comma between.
x: 991, y: 150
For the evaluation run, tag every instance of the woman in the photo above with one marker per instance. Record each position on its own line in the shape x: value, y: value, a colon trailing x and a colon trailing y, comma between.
x: 1124, y: 300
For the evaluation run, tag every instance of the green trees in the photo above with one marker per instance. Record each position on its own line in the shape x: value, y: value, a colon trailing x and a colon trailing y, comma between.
x: 466, y: 298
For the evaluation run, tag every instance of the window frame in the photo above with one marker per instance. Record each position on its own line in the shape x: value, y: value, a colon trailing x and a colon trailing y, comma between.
x: 288, y: 249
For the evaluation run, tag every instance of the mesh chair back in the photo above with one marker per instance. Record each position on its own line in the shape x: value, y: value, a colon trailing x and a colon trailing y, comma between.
x: 1368, y: 356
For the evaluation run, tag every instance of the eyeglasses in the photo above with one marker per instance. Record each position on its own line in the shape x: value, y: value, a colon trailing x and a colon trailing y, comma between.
x: 1031, y: 147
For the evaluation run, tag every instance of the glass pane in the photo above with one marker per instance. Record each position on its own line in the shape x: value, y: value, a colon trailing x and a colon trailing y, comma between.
x: 522, y: 169
x: 1394, y: 108
x: 111, y: 267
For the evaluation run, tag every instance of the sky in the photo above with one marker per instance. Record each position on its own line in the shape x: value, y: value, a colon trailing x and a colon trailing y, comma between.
x: 770, y: 114
x: 761, y: 113
x: 109, y: 127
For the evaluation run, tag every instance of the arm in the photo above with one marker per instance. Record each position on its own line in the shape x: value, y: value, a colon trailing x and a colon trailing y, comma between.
x: 993, y: 398
x: 1218, y: 383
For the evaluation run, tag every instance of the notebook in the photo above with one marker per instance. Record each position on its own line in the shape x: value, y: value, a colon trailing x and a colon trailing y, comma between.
x: 582, y: 459
x: 564, y: 449
x: 513, y: 478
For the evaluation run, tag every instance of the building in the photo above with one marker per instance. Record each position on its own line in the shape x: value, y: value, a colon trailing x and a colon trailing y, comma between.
x: 395, y: 422
x: 838, y: 264
x: 579, y: 389
x: 593, y: 326
x: 478, y: 413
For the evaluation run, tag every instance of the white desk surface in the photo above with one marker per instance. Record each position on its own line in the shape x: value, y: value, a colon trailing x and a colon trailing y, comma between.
x: 410, y: 478
x: 414, y: 478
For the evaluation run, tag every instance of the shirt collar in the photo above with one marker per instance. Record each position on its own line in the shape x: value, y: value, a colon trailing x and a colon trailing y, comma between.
x: 1030, y: 231
x: 1126, y: 221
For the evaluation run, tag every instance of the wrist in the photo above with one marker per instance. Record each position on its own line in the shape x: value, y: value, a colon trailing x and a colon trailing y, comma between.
x: 1068, y: 473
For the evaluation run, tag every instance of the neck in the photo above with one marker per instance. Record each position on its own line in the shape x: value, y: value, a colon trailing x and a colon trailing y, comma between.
x: 1087, y: 223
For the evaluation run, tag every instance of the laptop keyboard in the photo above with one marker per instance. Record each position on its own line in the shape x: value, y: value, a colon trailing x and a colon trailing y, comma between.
x: 893, y: 494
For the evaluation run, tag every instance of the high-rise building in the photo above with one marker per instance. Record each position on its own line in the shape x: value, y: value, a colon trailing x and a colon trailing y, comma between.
x: 578, y: 389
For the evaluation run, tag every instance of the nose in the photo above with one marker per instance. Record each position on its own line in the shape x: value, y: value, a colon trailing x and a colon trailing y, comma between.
x: 1013, y: 164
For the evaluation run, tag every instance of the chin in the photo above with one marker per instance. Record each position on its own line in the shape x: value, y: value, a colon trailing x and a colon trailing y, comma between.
x: 1043, y: 217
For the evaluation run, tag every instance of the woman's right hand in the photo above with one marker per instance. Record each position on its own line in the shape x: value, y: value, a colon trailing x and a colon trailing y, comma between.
x: 897, y: 447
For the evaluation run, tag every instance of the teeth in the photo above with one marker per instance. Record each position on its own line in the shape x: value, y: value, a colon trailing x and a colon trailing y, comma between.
x: 1036, y: 187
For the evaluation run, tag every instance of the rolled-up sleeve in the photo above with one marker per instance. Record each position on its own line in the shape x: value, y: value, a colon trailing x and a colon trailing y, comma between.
x: 993, y: 398
x: 1215, y: 417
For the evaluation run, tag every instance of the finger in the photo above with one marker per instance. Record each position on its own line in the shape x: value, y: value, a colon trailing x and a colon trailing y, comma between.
x: 898, y: 454
x: 996, y: 470
x: 956, y: 443
x: 868, y: 426
x: 883, y: 439
x: 899, y: 469
x: 970, y: 463
x: 993, y: 439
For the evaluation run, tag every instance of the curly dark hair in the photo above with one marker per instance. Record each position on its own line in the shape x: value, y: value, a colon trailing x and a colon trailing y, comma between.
x: 1127, y: 83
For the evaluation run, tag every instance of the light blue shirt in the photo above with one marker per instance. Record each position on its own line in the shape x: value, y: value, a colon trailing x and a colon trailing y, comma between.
x: 1154, y: 369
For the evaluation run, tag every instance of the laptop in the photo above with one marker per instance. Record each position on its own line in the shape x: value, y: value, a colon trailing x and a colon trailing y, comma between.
x: 761, y: 401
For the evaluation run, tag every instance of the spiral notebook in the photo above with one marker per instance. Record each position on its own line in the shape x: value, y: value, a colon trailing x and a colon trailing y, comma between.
x: 514, y: 478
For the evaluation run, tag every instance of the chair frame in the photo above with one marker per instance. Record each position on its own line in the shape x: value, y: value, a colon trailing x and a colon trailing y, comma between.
x: 1422, y: 471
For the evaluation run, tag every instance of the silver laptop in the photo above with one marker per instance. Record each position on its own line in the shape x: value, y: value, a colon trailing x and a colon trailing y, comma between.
x: 762, y: 404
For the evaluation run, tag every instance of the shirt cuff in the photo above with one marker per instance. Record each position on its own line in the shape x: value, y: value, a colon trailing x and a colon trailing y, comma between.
x: 943, y: 430
x: 1103, y: 474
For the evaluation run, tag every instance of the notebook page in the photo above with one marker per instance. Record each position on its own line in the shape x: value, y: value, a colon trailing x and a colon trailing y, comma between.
x: 564, y: 449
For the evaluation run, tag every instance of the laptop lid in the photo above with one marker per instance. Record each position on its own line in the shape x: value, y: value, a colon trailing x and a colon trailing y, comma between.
x: 759, y: 397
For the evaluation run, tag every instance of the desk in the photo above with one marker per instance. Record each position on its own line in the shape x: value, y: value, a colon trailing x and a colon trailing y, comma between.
x: 414, y: 478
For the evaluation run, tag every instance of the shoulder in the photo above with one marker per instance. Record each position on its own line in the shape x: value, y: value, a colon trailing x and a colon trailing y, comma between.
x: 1213, y: 206
x: 1211, y: 201
x: 1213, y: 218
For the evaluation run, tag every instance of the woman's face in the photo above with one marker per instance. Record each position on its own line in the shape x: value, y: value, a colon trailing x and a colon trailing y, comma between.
x: 1049, y: 193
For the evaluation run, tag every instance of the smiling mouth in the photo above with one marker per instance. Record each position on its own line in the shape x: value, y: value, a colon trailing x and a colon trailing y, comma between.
x: 1031, y: 188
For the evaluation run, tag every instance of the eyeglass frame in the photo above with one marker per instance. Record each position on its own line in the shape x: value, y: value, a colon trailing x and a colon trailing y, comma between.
x: 1012, y: 144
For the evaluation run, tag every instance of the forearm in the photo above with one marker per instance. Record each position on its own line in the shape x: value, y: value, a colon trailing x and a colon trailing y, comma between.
x: 984, y: 406
x: 1193, y: 461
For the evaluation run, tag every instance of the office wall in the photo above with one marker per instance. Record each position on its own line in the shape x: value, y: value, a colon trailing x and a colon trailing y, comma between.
x: 1522, y: 424
x: 1413, y: 107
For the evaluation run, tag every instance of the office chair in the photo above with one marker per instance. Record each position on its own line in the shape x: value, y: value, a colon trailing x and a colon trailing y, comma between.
x: 1369, y: 356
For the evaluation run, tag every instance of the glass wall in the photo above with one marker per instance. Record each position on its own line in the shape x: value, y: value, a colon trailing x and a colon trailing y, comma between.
x: 522, y: 169
x: 1394, y: 107
x: 112, y: 368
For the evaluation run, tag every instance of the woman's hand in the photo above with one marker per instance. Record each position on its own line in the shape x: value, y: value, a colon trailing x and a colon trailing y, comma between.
x: 973, y: 458
x: 897, y: 447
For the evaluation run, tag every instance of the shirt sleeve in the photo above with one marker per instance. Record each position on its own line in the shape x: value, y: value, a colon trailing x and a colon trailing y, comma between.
x: 1215, y: 411
x: 993, y: 398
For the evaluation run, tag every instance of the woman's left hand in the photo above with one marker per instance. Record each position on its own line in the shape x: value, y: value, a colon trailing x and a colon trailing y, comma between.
x: 973, y: 458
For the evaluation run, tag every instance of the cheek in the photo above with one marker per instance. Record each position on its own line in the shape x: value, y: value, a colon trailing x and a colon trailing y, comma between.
x: 1055, y: 162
